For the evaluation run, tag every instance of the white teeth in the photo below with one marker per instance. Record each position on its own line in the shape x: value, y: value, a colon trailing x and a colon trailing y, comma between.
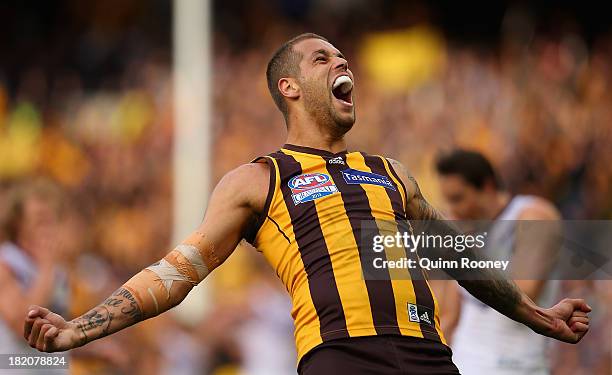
x: 344, y: 82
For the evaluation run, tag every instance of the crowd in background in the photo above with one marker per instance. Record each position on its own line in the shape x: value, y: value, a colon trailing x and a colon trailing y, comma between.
x: 540, y: 108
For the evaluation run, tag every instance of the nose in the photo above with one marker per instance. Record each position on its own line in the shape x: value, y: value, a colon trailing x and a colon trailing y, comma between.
x: 341, y: 64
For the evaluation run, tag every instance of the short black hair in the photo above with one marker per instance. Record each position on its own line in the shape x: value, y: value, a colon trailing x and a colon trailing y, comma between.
x: 285, y: 63
x: 472, y: 166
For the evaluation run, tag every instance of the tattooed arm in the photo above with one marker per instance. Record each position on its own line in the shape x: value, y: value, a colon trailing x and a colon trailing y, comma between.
x: 567, y: 321
x: 230, y: 214
x: 48, y: 331
x: 118, y: 311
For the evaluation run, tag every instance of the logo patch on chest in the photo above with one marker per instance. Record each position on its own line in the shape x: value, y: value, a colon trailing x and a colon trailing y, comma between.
x: 337, y: 160
x: 310, y: 186
x: 353, y: 176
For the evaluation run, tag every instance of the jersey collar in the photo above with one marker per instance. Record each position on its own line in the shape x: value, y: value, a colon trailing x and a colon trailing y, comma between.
x: 310, y: 150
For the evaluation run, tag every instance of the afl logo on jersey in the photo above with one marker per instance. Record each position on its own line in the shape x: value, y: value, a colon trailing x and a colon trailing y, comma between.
x: 310, y: 186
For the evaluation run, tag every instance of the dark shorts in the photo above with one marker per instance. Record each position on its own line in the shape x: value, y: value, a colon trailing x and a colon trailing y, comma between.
x: 397, y: 355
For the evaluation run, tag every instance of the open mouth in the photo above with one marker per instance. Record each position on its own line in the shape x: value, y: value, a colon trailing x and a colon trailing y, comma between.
x: 342, y: 89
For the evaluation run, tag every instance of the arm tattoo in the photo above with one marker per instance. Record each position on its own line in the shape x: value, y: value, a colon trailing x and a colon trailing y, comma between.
x: 118, y: 298
x: 488, y: 285
x: 98, y: 317
x: 118, y: 311
x: 425, y: 211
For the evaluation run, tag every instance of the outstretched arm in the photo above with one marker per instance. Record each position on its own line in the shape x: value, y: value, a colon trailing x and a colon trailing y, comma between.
x: 567, y: 321
x: 231, y: 212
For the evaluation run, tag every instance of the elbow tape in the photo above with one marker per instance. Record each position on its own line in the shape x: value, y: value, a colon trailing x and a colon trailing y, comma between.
x: 152, y: 287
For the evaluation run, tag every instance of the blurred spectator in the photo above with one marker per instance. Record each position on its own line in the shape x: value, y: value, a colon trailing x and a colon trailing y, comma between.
x: 32, y: 264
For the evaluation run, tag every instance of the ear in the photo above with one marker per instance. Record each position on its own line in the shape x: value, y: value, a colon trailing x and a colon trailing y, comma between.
x: 289, y: 88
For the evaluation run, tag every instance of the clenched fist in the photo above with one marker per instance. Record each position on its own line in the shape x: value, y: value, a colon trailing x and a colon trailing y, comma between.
x: 49, y: 332
x: 570, y: 320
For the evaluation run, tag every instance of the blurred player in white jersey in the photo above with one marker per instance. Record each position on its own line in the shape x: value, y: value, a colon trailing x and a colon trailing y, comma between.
x: 483, y: 341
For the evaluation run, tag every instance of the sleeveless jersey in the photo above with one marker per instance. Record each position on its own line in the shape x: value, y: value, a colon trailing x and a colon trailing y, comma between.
x: 310, y: 233
x: 485, y: 341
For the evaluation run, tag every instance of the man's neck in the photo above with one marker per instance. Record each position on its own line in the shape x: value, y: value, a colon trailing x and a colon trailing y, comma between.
x: 315, y: 137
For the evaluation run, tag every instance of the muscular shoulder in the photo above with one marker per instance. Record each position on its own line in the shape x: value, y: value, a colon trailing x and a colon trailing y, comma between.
x: 246, y: 185
x: 417, y: 206
x: 412, y: 188
x: 539, y: 209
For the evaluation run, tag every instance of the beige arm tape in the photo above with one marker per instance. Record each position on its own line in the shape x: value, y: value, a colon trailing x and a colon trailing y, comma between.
x: 189, y: 263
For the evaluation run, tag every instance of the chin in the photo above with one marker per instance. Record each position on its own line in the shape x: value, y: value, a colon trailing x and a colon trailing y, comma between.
x: 347, y: 123
x: 346, y: 119
x: 344, y: 122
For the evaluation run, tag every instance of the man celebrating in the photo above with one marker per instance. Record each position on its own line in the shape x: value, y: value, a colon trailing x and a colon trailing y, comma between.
x: 303, y: 207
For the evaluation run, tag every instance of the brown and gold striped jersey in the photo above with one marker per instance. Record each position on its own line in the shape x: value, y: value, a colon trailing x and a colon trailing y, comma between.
x: 311, y: 235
